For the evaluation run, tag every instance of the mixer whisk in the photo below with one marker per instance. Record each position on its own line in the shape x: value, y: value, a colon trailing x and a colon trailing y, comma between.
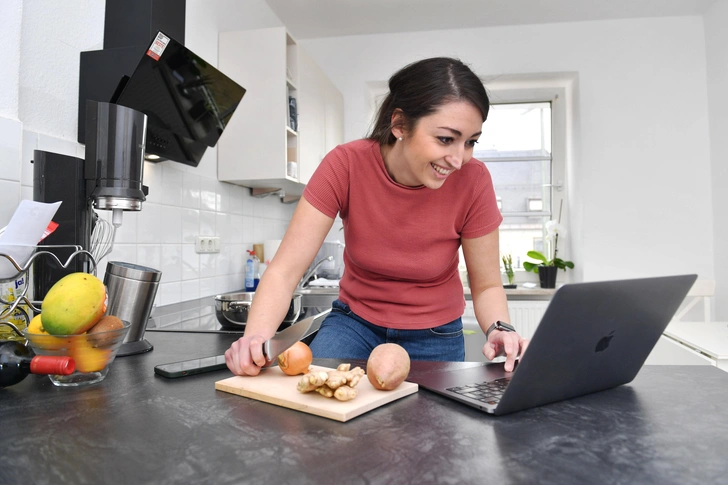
x: 102, y: 238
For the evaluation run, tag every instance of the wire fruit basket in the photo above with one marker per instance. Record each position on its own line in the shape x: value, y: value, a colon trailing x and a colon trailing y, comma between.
x: 16, y: 307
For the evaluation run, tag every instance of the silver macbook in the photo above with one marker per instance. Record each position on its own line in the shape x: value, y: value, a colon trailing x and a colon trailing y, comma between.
x: 592, y: 337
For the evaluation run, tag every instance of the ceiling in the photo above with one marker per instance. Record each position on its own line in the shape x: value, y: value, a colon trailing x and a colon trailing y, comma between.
x: 310, y: 19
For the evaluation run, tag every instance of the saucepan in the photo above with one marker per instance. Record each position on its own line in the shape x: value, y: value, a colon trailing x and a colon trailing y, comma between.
x: 232, y: 309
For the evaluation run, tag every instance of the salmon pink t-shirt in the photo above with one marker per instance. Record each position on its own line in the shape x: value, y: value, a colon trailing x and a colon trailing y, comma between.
x: 401, y: 254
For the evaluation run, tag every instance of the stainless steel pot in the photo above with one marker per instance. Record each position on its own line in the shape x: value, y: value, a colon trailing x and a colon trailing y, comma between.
x: 232, y: 309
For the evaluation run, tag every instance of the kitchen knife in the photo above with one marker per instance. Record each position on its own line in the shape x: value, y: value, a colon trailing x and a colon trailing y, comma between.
x: 281, y: 341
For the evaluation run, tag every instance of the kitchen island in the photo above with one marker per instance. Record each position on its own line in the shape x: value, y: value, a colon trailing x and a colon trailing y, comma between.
x: 668, y: 426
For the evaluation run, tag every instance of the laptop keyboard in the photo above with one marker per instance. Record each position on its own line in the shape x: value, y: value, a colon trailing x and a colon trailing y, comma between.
x: 488, y: 392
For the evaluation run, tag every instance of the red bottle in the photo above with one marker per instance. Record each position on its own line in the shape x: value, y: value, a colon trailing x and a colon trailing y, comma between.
x: 17, y: 361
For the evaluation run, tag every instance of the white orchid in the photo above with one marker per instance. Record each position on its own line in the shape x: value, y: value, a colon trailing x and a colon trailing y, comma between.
x: 554, y: 229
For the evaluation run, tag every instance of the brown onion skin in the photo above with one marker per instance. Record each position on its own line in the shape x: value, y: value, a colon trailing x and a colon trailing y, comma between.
x: 296, y: 359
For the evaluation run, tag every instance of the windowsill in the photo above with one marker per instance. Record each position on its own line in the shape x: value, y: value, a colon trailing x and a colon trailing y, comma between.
x: 521, y: 293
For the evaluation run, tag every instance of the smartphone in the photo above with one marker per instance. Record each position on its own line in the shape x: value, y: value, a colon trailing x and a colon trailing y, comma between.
x: 191, y: 367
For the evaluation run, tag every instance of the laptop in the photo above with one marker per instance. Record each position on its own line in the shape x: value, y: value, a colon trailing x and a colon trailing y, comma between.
x: 592, y: 337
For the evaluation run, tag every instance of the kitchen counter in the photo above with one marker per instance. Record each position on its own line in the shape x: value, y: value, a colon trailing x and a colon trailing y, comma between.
x: 135, y: 427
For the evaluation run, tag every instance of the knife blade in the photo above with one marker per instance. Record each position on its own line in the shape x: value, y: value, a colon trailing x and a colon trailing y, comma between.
x: 281, y: 341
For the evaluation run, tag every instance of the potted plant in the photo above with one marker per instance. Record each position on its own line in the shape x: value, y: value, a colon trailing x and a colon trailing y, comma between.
x: 546, y: 268
x: 508, y: 270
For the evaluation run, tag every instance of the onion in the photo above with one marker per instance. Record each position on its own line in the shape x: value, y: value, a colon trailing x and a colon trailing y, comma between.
x: 296, y: 359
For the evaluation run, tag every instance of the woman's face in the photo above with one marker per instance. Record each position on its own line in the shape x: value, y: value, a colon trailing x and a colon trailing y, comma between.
x: 439, y: 144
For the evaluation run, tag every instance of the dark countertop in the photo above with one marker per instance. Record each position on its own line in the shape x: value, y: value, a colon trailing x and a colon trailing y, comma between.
x: 135, y: 427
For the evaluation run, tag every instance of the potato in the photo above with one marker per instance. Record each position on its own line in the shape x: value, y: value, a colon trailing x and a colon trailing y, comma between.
x: 388, y: 366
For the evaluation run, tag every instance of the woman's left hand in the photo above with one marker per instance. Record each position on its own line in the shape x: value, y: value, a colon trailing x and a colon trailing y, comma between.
x: 509, y: 344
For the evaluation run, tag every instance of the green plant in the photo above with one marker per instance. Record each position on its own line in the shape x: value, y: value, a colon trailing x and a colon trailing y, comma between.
x: 558, y: 262
x: 508, y: 266
x: 553, y: 229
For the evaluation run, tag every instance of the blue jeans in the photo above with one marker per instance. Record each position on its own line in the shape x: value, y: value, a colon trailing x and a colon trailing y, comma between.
x: 345, y: 335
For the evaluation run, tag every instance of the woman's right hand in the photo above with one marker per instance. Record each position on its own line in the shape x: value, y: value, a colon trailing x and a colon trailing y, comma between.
x: 245, y: 356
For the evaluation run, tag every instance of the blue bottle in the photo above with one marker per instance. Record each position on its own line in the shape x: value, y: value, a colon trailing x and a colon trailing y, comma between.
x: 252, y: 276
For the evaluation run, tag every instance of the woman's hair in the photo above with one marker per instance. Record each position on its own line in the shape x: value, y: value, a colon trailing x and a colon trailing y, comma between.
x: 420, y: 88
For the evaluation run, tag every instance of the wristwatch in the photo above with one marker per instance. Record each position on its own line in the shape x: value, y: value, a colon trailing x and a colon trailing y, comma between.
x: 506, y: 327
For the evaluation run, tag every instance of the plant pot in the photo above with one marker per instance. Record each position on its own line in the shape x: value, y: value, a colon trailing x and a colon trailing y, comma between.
x: 547, y: 276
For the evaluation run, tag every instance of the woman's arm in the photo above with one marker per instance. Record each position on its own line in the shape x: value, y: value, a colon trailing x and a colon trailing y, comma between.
x: 306, y: 232
x: 482, y: 258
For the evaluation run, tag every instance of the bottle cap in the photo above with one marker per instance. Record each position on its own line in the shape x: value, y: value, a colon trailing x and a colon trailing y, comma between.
x: 45, y: 364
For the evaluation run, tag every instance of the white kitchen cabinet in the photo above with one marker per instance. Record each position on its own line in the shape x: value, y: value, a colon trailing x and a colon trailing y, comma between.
x: 321, y: 110
x: 259, y: 142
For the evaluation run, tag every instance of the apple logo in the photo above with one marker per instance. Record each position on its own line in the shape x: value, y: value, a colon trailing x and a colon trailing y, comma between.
x: 604, y: 342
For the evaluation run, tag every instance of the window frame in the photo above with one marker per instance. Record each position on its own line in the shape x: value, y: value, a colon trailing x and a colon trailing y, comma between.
x: 514, y: 91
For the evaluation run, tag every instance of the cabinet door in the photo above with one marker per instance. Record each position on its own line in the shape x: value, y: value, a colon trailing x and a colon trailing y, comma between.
x: 334, y: 116
x: 254, y: 143
x: 311, y: 115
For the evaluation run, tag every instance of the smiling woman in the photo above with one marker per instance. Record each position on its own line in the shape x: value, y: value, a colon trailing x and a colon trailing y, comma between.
x: 408, y: 198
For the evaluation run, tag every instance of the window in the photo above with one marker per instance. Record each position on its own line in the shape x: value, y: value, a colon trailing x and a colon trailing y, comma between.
x: 516, y: 146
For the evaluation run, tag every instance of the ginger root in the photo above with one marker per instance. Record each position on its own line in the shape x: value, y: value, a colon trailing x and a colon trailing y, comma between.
x: 345, y: 393
x: 337, y: 383
x: 312, y: 381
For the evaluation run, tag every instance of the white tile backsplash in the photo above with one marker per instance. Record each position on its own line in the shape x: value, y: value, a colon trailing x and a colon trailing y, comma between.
x: 208, y: 265
x: 190, y: 190
x: 9, y: 200
x: 190, y: 263
x: 172, y: 262
x: 127, y: 232
x: 207, y: 223
x: 180, y: 206
x: 149, y: 228
x: 190, y: 225
x: 168, y: 293
x: 172, y: 187
x: 170, y: 224
x: 150, y: 255
x: 222, y: 223
x: 207, y: 286
x: 208, y: 194
x: 190, y: 290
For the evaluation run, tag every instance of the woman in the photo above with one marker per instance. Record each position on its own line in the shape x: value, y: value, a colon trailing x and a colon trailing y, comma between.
x: 409, y: 196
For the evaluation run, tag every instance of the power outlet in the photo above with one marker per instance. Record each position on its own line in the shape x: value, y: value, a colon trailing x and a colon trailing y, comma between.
x: 207, y: 244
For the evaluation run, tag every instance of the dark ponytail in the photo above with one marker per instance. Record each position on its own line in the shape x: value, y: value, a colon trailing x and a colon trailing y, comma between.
x: 420, y: 88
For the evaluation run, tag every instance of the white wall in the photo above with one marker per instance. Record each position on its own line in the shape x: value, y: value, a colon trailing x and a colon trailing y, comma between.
x: 40, y: 56
x: 716, y: 42
x: 643, y: 189
x: 11, y: 12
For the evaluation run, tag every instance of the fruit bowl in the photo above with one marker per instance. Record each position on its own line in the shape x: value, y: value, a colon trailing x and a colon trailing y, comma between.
x: 93, y: 353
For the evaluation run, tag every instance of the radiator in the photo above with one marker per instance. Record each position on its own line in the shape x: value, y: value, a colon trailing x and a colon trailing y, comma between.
x: 525, y: 316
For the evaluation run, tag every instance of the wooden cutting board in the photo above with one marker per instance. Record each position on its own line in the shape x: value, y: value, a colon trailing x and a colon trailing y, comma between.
x: 275, y: 387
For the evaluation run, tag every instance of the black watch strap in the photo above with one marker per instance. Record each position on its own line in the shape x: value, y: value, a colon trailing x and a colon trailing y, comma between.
x: 506, y: 327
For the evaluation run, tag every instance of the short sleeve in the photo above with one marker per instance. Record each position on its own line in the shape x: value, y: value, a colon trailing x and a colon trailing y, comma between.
x: 328, y: 188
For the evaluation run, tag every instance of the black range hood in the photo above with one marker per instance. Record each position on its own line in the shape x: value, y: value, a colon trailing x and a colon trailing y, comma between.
x: 145, y: 66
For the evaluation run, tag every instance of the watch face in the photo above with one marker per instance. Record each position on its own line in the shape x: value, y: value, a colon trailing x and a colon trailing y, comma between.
x: 505, y: 326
